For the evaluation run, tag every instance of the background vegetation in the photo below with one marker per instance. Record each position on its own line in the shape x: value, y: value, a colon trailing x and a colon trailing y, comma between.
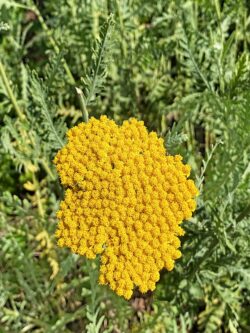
x: 181, y: 66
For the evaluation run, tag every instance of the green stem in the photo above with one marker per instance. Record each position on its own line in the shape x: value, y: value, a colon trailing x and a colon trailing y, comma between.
x: 93, y: 310
x: 203, y: 170
x: 93, y: 282
x: 82, y: 105
x: 38, y: 196
x: 10, y: 92
x: 47, y: 169
x: 123, y: 39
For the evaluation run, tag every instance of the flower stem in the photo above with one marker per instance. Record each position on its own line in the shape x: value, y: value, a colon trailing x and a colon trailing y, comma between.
x: 47, y: 169
x: 82, y: 105
x: 10, y: 92
x: 38, y: 196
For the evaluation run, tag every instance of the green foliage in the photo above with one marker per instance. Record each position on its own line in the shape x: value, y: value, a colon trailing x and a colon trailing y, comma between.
x: 183, y: 68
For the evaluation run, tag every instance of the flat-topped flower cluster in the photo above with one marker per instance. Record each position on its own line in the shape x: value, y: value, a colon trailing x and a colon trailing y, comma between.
x: 125, y: 200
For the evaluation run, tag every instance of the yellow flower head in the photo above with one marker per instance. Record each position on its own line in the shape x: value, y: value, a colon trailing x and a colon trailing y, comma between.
x: 124, y: 200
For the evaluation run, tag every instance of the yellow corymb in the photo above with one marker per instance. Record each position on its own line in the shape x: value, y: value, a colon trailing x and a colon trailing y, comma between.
x: 125, y: 200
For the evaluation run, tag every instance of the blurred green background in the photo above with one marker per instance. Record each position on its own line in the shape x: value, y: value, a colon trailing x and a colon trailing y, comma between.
x: 181, y: 66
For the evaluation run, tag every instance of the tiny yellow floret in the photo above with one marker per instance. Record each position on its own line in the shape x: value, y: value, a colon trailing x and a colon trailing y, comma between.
x: 125, y: 200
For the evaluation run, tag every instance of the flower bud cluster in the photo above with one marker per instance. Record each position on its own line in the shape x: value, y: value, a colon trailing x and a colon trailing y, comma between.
x: 125, y: 200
